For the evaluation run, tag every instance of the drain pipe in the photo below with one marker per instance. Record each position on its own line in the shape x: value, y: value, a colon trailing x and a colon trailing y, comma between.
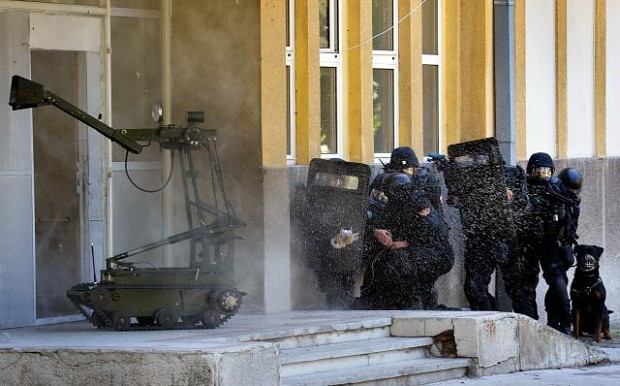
x: 505, y: 132
x: 504, y: 62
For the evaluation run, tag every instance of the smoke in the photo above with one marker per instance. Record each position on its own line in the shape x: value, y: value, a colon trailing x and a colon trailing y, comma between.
x: 216, y: 68
x: 58, y: 219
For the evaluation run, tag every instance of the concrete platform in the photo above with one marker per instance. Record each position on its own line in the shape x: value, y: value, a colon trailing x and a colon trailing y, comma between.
x: 245, y: 350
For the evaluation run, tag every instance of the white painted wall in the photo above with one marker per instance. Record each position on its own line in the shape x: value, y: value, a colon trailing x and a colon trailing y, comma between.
x: 613, y: 78
x: 63, y: 32
x: 540, y: 76
x: 580, y: 77
x: 17, y: 278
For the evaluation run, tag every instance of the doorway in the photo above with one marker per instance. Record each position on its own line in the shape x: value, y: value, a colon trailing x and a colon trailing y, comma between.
x: 57, y: 186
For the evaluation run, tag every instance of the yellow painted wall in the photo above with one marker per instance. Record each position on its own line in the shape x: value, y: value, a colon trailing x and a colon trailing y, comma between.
x: 307, y: 81
x: 468, y: 70
x: 357, y: 52
x: 600, y: 63
x: 272, y: 84
x: 216, y: 67
x: 561, y: 79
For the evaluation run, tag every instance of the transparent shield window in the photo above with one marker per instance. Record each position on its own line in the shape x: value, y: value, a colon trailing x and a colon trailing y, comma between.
x: 383, y: 110
x: 430, y: 27
x: 336, y: 181
x: 382, y: 23
x: 329, y: 108
x: 430, y: 81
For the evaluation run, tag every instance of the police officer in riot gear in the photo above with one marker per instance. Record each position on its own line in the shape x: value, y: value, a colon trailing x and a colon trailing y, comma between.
x: 544, y: 224
x: 475, y: 176
x: 572, y: 181
x: 415, y: 250
x: 332, y: 210
x: 403, y: 159
x: 519, y: 290
x: 403, y: 164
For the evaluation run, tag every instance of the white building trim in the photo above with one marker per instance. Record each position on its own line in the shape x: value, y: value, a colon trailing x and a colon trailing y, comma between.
x: 540, y: 77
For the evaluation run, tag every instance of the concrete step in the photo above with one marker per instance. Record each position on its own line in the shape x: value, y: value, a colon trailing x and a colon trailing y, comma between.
x: 309, y: 336
x: 342, y: 355
x: 409, y: 372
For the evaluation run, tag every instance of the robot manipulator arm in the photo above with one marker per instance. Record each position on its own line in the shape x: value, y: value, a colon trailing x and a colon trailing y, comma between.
x: 28, y: 94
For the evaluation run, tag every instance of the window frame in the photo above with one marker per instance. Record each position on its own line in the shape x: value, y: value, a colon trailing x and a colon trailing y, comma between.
x: 334, y: 27
x: 436, y: 60
x: 291, y: 156
x: 388, y: 60
x: 332, y: 58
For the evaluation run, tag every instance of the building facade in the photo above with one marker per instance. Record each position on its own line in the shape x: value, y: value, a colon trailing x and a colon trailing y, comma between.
x: 283, y: 81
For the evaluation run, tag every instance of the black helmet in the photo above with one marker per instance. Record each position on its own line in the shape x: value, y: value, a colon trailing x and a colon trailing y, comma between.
x: 419, y: 201
x: 571, y: 179
x: 396, y: 184
x: 402, y: 158
x: 539, y: 160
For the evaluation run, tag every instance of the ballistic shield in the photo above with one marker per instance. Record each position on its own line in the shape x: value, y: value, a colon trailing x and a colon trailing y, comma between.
x: 334, y: 214
x: 475, y: 178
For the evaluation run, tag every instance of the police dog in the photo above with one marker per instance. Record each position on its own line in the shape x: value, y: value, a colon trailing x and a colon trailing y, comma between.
x: 588, y: 294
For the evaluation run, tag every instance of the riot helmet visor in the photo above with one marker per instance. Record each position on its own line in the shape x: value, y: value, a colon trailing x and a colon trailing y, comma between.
x: 410, y: 170
x: 544, y: 173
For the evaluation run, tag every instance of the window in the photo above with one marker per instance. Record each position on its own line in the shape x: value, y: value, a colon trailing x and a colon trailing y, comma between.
x: 136, y: 71
x: 384, y: 110
x: 290, y: 81
x: 431, y: 62
x: 329, y: 110
x: 385, y: 76
x: 383, y: 21
x: 328, y: 25
x: 331, y: 80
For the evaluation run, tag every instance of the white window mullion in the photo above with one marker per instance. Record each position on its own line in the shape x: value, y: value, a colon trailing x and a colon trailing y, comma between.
x: 432, y: 130
x: 430, y: 59
x: 290, y: 64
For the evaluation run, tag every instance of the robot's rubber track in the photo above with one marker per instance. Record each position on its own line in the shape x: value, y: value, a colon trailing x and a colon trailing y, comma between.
x: 100, y: 319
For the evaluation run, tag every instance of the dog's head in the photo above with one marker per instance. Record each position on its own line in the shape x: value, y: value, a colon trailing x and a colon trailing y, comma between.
x: 588, y: 257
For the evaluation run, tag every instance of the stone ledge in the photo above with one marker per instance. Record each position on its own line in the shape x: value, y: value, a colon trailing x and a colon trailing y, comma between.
x: 499, y: 342
x: 245, y: 365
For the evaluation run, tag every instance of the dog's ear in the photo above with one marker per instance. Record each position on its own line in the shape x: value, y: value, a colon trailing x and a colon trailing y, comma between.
x: 599, y: 250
